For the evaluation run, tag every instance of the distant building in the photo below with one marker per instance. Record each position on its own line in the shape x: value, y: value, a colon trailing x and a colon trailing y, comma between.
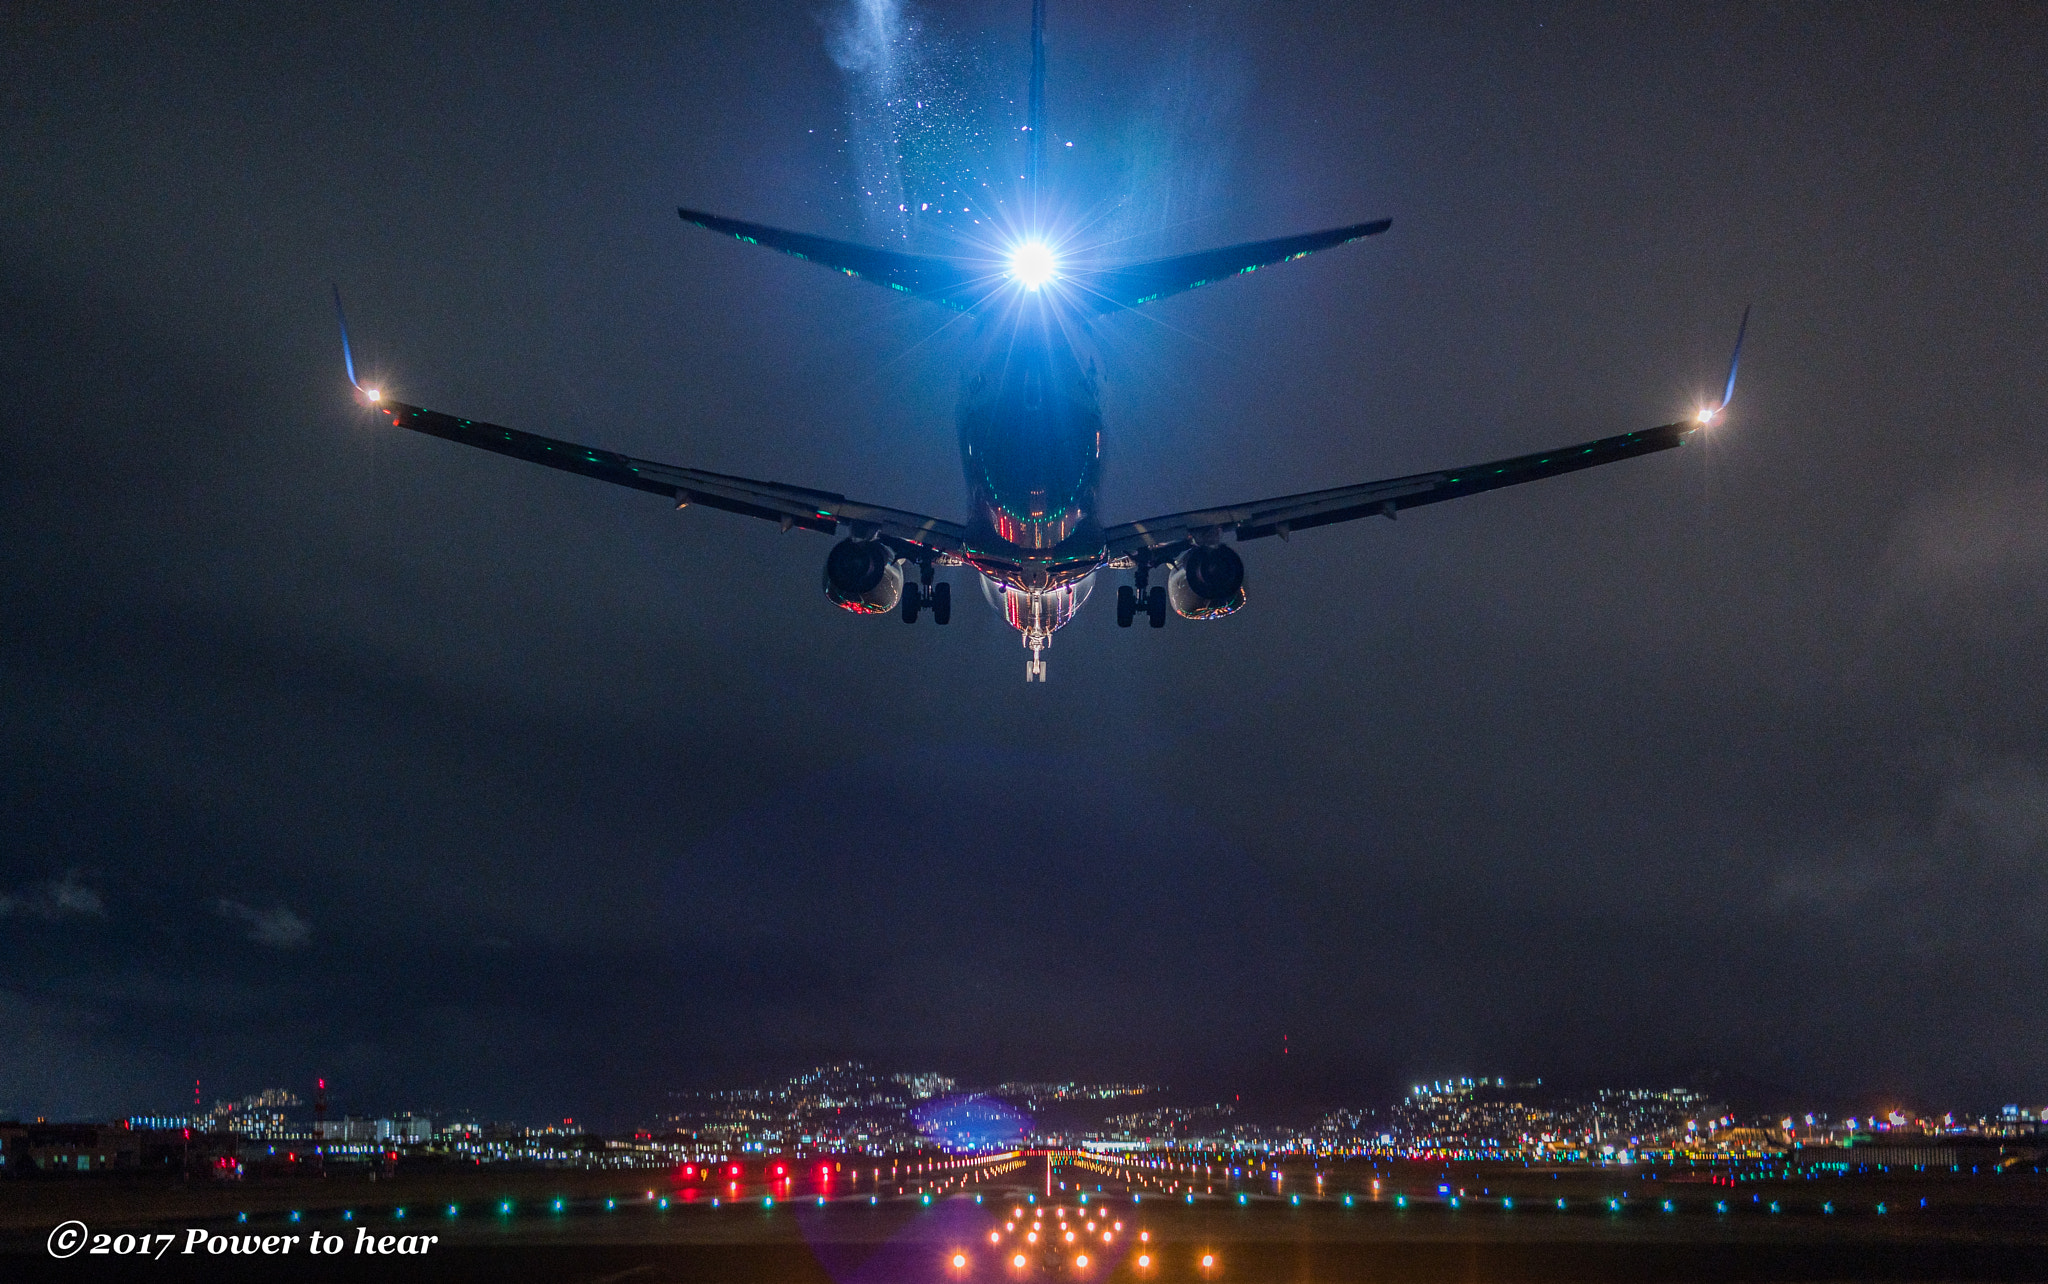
x: 925, y: 1086
x: 27, y: 1149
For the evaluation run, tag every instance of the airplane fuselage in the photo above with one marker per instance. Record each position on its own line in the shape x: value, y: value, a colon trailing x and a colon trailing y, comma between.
x: 1030, y: 421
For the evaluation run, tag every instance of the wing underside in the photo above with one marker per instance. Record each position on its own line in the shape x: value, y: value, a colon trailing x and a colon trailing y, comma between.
x: 788, y: 506
x: 1159, y: 539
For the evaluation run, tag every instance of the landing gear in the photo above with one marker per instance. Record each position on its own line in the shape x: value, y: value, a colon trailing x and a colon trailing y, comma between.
x: 1131, y: 599
x: 924, y: 593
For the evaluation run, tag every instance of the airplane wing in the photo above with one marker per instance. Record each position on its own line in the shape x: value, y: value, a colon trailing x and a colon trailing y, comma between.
x: 1140, y: 283
x: 954, y: 283
x: 789, y: 506
x: 1161, y: 539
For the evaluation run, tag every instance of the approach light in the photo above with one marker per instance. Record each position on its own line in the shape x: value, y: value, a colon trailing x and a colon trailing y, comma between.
x: 1018, y: 1261
x: 1033, y: 264
x: 959, y: 1260
x: 1082, y: 1261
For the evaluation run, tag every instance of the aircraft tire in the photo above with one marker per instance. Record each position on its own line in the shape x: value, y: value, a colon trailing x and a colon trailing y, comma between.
x: 942, y: 604
x: 913, y: 598
x: 1155, y: 606
x: 1126, y: 605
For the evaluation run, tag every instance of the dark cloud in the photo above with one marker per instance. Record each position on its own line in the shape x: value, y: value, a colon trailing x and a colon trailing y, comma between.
x: 276, y: 926
x: 1733, y: 756
x: 54, y: 899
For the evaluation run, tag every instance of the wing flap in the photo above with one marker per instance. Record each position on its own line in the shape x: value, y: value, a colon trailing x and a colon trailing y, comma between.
x: 786, y: 505
x: 1161, y: 537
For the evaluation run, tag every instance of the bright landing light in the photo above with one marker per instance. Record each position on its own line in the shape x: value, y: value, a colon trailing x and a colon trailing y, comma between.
x: 1033, y: 264
x: 373, y: 394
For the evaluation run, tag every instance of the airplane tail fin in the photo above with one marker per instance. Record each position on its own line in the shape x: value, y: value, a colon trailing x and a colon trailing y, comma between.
x: 1034, y: 120
x: 956, y: 284
x: 1141, y: 283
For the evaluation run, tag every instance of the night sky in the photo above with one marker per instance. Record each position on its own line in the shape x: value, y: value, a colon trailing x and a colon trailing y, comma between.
x: 329, y: 750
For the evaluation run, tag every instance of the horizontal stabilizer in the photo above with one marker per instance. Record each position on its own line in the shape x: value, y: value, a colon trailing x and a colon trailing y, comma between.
x: 1139, y: 283
x: 955, y: 284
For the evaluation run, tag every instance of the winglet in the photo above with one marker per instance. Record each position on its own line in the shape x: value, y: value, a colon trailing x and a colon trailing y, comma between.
x: 1728, y: 393
x: 1708, y: 414
x: 348, y: 360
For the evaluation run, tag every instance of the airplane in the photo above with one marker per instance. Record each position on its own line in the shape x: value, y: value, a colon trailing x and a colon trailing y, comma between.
x: 1030, y: 428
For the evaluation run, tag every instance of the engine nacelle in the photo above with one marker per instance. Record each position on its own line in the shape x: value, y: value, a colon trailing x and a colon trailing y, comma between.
x: 861, y: 575
x: 1207, y: 583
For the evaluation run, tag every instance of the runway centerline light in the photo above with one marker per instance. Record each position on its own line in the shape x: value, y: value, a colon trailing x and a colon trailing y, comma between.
x: 1033, y: 264
x: 959, y: 1260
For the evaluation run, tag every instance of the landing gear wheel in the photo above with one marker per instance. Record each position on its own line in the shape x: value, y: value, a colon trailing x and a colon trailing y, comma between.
x: 942, y: 603
x: 913, y: 599
x: 1126, y: 605
x: 1155, y: 607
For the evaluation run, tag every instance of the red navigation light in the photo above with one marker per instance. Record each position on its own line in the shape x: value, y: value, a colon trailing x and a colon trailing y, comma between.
x: 778, y: 1170
x: 735, y: 1170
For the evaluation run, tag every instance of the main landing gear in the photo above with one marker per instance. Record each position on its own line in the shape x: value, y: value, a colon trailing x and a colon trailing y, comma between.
x: 924, y: 593
x: 1133, y: 601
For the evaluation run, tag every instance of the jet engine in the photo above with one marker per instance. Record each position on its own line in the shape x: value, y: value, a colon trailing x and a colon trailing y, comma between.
x: 1207, y: 583
x: 861, y: 575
